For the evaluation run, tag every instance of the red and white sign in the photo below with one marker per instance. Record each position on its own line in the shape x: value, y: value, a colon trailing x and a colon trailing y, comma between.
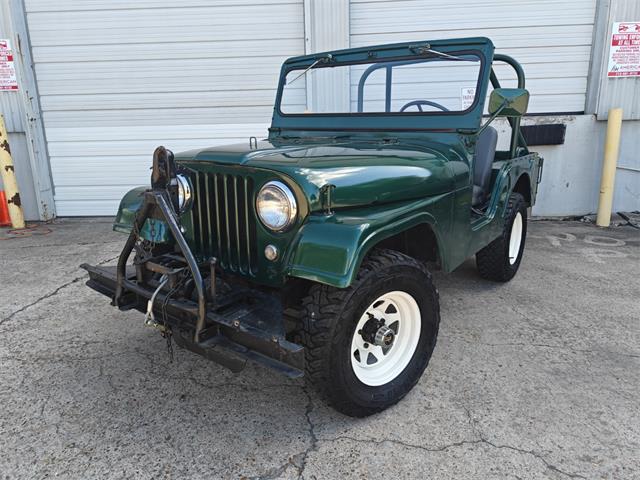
x: 8, y: 79
x: 624, y: 53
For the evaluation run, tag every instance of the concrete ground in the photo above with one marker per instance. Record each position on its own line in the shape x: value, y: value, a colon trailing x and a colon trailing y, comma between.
x: 537, y: 378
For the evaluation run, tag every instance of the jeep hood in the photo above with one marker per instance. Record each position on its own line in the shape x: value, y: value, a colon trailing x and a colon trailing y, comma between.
x: 362, y: 173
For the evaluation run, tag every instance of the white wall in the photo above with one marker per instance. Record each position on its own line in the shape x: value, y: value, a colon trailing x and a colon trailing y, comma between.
x: 118, y: 80
x: 550, y: 38
x: 571, y: 175
x: 626, y: 197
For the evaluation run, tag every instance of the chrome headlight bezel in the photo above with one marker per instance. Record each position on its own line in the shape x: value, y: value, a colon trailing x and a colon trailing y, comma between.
x: 286, y: 195
x: 185, y: 193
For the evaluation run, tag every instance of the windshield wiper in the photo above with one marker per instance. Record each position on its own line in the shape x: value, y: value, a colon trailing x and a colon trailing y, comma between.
x: 422, y: 49
x: 325, y: 59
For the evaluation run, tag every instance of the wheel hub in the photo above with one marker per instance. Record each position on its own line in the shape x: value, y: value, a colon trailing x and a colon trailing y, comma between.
x: 384, y: 337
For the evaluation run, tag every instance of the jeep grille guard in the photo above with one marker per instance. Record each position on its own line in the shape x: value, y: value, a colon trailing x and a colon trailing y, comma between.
x: 160, y: 200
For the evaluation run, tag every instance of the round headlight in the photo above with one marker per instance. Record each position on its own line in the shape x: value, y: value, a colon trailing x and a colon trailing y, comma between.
x: 185, y: 193
x: 276, y: 206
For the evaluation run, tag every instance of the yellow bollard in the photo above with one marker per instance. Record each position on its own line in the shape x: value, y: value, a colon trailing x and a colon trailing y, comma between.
x: 9, y: 179
x: 611, y: 152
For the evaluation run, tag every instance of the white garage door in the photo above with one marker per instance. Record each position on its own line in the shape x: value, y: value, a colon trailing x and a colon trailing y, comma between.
x: 117, y: 78
x: 551, y: 38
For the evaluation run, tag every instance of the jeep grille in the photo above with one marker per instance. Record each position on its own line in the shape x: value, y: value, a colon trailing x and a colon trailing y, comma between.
x: 223, y: 220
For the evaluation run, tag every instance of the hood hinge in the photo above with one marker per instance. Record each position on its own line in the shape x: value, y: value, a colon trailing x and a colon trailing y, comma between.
x: 326, y: 192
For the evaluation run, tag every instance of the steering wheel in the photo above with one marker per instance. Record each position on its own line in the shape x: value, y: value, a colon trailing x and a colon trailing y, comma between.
x: 420, y: 103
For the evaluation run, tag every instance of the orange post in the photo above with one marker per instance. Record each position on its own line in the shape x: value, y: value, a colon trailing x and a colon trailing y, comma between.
x: 5, y: 220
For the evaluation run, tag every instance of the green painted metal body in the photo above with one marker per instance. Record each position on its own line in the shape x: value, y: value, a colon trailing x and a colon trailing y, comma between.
x: 388, y: 173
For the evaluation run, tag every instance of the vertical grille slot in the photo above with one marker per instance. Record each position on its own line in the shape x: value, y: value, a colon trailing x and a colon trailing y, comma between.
x: 223, y: 220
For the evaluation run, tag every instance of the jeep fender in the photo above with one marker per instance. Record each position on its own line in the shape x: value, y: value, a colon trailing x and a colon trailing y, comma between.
x: 153, y: 230
x: 330, y: 248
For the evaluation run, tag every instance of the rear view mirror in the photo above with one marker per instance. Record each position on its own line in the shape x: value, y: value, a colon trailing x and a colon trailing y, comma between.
x: 508, y: 102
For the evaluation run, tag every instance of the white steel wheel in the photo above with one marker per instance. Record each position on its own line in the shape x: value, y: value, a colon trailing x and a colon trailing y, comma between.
x: 515, y: 239
x: 385, y: 338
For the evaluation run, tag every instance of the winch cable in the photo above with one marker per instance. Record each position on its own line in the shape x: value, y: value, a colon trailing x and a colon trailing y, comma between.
x: 149, y: 317
x: 166, y: 331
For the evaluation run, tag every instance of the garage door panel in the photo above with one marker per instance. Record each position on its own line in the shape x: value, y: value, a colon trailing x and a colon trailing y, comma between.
x: 92, y: 171
x: 182, y: 34
x: 118, y: 83
x: 101, y: 207
x: 252, y: 48
x: 198, y: 98
x: 156, y: 132
x: 160, y: 116
x: 551, y: 38
x: 526, y: 37
x: 85, y: 5
x: 158, y: 25
x: 116, y: 79
x: 403, y: 16
x: 140, y: 147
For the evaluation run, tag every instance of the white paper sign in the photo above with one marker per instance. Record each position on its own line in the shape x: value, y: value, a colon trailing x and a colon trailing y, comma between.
x: 8, y: 79
x: 624, y: 50
x: 467, y: 97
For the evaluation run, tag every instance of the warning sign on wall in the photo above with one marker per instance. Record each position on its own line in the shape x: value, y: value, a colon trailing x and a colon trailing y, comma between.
x: 467, y: 97
x: 8, y: 79
x: 624, y: 53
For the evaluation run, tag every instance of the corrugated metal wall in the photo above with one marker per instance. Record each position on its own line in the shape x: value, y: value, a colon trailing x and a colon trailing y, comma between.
x: 551, y: 38
x: 14, y: 118
x: 118, y: 78
x: 617, y: 92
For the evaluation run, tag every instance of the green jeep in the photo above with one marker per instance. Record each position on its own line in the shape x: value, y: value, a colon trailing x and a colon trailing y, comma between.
x: 308, y: 252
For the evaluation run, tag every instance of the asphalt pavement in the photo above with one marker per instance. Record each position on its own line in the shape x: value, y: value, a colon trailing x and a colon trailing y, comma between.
x: 536, y: 378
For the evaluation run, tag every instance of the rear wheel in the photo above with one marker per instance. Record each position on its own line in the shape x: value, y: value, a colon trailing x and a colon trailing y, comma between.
x: 500, y: 260
x: 367, y: 345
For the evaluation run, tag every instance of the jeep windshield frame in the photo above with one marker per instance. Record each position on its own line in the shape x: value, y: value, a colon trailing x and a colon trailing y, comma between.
x: 382, y: 57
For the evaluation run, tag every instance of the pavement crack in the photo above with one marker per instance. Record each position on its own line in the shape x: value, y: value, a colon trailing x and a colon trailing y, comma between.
x: 44, y: 297
x: 273, y: 473
x: 461, y: 443
x: 312, y: 434
x: 402, y: 443
x: 549, y: 465
x: 299, y: 460
x: 472, y: 422
x: 50, y: 294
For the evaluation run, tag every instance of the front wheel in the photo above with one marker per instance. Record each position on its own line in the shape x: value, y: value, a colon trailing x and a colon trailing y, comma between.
x: 500, y: 260
x: 367, y: 345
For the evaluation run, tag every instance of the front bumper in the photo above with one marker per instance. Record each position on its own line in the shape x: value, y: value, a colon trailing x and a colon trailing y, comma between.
x: 230, y: 329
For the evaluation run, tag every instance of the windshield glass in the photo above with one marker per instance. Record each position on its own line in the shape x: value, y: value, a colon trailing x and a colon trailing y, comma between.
x: 439, y: 83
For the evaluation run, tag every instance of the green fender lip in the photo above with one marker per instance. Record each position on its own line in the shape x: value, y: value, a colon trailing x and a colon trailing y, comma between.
x: 330, y: 248
x: 153, y: 230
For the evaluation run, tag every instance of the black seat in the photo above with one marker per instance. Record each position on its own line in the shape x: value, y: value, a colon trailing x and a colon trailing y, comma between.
x: 485, y: 153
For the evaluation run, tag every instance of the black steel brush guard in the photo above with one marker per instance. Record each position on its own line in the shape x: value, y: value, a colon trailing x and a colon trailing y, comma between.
x: 245, y: 324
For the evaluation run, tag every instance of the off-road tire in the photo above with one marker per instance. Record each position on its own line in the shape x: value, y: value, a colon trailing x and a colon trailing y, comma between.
x: 493, y: 260
x: 329, y: 319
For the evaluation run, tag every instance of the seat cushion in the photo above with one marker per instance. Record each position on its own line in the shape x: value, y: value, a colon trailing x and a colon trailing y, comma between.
x: 482, y: 161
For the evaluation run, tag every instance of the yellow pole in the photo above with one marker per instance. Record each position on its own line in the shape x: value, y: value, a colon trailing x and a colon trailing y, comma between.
x: 611, y: 152
x: 9, y: 179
